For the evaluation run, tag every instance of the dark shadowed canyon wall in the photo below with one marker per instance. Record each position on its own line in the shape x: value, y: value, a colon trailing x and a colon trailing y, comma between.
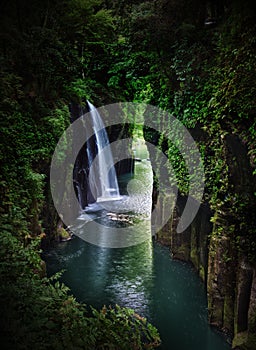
x: 221, y: 246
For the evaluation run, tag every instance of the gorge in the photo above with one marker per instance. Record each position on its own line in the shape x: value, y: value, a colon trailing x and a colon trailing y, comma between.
x: 196, y: 61
x: 141, y: 276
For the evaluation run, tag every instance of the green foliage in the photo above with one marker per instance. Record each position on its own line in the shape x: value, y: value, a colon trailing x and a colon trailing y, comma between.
x: 38, y: 312
x: 155, y: 52
x: 125, y: 327
x: 27, y: 144
x: 205, y: 77
x: 52, y: 53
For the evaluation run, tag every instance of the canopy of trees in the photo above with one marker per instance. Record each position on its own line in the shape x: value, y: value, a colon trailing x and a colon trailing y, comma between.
x: 193, y: 58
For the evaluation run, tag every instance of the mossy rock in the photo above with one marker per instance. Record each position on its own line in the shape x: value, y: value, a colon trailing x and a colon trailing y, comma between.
x: 63, y: 234
x: 240, y: 341
x: 202, y: 272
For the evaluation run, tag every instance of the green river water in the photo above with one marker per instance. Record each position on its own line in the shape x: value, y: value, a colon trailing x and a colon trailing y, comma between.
x: 142, y: 277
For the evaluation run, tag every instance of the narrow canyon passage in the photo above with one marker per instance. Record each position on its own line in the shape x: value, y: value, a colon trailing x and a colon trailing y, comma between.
x: 142, y: 277
x: 165, y: 223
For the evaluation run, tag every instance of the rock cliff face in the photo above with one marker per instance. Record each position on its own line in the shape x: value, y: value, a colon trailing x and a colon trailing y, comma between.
x: 220, y: 247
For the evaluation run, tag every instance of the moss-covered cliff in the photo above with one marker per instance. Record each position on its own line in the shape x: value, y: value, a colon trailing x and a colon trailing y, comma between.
x: 214, y: 97
x: 207, y: 80
x: 196, y: 59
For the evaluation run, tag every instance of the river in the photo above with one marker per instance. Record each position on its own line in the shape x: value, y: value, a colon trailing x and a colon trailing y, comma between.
x: 143, y: 277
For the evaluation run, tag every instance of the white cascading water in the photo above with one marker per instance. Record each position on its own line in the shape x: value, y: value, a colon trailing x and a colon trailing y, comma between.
x: 107, y: 185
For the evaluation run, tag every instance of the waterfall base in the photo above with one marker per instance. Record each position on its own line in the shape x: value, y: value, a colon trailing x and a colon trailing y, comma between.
x: 108, y: 199
x: 102, y: 203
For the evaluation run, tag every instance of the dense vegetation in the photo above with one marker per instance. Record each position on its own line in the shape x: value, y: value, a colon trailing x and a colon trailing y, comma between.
x: 161, y: 52
x: 52, y: 53
x: 40, y: 313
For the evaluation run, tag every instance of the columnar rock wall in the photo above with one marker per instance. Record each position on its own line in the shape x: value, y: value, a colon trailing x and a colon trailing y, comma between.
x: 220, y: 246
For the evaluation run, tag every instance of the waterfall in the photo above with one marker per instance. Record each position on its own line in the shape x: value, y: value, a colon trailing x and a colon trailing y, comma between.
x: 103, y: 174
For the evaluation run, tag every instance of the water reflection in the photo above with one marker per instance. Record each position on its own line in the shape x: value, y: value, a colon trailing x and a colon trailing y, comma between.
x: 123, y: 222
x: 132, y: 279
x: 114, y: 230
x: 99, y: 275
x: 143, y: 277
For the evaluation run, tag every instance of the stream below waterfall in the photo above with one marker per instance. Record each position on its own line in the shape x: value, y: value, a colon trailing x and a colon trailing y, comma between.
x: 142, y: 277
